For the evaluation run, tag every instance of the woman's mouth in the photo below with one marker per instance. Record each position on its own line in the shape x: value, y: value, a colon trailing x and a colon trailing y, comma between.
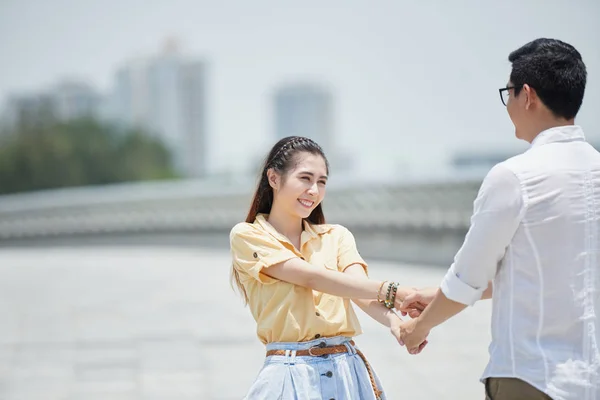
x: 306, y: 203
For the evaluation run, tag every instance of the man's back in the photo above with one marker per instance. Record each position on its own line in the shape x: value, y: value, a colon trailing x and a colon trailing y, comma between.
x: 545, y: 329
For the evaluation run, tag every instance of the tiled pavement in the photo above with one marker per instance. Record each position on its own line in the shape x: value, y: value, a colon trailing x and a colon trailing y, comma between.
x: 150, y: 323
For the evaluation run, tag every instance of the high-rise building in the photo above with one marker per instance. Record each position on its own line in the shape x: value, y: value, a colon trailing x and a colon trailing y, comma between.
x: 305, y: 109
x: 65, y: 101
x: 28, y: 110
x: 130, y: 96
x: 193, y: 89
x: 75, y: 100
x: 165, y: 96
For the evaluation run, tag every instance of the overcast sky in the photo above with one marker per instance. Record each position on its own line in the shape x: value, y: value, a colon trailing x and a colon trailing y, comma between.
x: 415, y: 81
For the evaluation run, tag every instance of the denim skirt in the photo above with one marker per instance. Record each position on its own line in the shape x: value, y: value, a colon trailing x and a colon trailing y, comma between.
x: 341, y: 376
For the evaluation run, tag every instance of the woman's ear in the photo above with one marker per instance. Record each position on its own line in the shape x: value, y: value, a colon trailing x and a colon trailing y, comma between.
x: 273, y: 178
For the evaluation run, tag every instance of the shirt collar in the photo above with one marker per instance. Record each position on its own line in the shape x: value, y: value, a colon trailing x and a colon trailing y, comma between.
x: 566, y: 133
x: 315, y: 230
x: 310, y: 230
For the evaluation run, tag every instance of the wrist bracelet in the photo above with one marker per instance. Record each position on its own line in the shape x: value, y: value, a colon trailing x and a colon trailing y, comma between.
x: 391, y: 295
x: 379, y: 292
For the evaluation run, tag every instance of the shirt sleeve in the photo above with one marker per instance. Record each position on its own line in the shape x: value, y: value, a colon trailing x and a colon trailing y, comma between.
x: 253, y: 251
x: 497, y: 213
x: 347, y: 251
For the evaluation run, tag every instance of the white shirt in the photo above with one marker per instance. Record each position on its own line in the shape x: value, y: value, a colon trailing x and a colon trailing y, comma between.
x: 535, y: 232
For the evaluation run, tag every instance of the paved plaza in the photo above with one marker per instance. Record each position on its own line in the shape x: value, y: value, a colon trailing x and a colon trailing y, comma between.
x: 158, y: 323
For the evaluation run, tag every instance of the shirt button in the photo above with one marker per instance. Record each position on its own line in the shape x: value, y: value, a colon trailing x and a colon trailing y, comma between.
x: 254, y: 255
x: 317, y: 336
x: 329, y: 374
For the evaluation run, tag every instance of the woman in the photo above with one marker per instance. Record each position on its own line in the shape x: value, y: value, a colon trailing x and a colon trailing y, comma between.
x: 297, y: 274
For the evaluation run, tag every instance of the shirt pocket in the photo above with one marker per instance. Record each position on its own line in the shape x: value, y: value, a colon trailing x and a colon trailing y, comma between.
x: 322, y: 259
x: 331, y: 263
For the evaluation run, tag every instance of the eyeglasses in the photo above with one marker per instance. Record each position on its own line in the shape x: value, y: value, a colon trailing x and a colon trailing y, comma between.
x: 504, y: 93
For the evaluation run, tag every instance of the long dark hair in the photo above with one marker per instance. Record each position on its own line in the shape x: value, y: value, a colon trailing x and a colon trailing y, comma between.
x: 282, y: 158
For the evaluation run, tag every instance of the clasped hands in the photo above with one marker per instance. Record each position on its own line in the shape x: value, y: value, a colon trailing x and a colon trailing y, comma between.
x: 411, y: 333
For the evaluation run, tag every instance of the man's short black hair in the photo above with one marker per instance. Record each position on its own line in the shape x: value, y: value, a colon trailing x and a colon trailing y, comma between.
x: 555, y: 70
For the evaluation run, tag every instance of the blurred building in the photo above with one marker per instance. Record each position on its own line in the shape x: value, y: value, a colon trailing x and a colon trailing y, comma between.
x: 165, y: 95
x: 75, y: 100
x: 305, y: 109
x: 32, y: 109
x: 477, y: 164
x: 481, y: 162
x: 65, y: 101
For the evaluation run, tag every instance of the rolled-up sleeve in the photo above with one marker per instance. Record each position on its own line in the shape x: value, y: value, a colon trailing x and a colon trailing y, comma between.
x: 347, y: 251
x: 253, y: 251
x: 497, y: 213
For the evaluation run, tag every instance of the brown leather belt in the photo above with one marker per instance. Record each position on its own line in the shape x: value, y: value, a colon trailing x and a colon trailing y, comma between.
x: 315, y: 351
x: 322, y: 350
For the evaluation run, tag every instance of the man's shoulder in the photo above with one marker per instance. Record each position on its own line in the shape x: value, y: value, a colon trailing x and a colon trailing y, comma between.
x: 514, y: 165
x: 504, y: 174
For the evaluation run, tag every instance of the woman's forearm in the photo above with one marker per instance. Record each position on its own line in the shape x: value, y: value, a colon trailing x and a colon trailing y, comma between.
x: 377, y: 311
x: 301, y: 273
x: 373, y: 308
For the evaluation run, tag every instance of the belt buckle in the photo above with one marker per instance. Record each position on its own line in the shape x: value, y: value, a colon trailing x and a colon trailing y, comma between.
x: 311, y: 349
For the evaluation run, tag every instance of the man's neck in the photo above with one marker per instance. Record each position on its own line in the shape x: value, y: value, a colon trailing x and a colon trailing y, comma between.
x: 549, y: 124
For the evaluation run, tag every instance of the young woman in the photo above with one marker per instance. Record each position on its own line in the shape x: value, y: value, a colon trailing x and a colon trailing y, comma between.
x: 297, y: 274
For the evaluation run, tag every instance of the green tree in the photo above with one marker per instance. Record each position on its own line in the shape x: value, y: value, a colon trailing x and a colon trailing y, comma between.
x: 76, y: 153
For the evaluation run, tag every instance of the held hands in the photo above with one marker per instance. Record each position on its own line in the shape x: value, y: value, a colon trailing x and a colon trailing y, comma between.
x: 400, y: 329
x: 410, y: 333
x: 413, y: 336
x: 414, y: 308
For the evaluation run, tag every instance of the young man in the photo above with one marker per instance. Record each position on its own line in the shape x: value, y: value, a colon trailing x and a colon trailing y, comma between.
x: 535, y: 235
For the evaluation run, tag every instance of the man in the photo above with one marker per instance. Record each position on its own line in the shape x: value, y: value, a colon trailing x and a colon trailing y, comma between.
x: 535, y: 236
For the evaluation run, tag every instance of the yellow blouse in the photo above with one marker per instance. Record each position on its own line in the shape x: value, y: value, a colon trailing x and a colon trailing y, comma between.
x: 283, y: 311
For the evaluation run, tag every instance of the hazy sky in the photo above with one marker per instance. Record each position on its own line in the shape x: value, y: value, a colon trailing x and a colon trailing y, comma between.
x: 414, y: 81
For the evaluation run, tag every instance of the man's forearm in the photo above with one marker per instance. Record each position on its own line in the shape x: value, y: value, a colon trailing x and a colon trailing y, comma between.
x: 487, y: 294
x: 438, y: 311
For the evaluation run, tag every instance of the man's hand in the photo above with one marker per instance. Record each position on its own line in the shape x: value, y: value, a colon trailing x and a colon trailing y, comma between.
x: 413, y: 336
x: 414, y: 303
x: 397, y: 329
x: 413, y: 310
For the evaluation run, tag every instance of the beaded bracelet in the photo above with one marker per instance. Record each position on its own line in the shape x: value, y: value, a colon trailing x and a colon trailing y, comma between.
x: 389, y: 293
x: 390, y: 298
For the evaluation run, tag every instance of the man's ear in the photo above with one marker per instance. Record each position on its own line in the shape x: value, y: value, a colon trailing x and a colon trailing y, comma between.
x: 530, y: 96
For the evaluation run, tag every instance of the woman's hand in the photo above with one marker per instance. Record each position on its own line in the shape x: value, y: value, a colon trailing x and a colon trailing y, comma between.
x: 414, y: 303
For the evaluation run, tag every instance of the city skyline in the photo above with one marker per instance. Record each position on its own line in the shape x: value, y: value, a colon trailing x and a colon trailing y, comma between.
x: 414, y: 83
x: 165, y: 94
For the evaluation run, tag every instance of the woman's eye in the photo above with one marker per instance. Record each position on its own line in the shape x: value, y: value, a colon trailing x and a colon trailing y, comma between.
x: 306, y: 178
